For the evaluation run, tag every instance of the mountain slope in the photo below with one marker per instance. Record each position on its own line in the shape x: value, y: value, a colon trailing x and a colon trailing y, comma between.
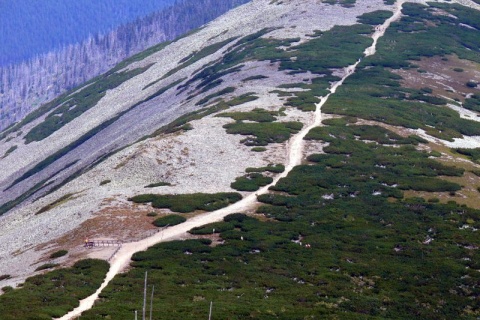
x: 356, y: 198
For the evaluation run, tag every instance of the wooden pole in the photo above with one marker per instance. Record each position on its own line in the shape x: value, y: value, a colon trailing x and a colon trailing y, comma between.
x: 210, y: 313
x: 151, y: 302
x: 144, y: 297
x: 135, y: 314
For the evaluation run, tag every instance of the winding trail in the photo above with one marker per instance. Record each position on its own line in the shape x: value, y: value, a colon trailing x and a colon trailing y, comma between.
x: 294, y: 157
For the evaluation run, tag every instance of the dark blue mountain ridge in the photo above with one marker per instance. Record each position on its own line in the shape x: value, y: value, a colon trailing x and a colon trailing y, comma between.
x: 32, y: 27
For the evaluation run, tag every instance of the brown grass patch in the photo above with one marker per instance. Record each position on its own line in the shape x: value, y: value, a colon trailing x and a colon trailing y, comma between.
x: 469, y: 194
x: 441, y: 76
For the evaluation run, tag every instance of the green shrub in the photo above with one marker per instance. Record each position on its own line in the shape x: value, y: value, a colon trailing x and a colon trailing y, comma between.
x: 259, y: 149
x: 152, y: 214
x: 57, y: 202
x: 250, y: 182
x: 10, y: 150
x: 189, y: 202
x: 169, y: 220
x: 278, y: 168
x: 471, y: 84
x: 258, y: 115
x: 264, y: 133
x: 58, y: 254
x: 473, y: 154
x: 47, y: 266
x: 158, y: 184
x: 257, y: 77
x: 375, y: 17
x: 104, y: 182
x: 210, y: 228
x: 7, y: 289
x: 239, y: 217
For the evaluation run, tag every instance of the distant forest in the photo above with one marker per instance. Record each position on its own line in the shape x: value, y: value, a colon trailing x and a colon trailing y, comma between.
x: 32, y: 27
x: 27, y: 85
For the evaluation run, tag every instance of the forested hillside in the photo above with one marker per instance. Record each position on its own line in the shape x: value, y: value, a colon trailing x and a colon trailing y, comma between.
x: 32, y: 27
x: 26, y: 86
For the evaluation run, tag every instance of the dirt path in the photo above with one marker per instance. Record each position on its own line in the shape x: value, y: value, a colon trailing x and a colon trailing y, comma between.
x: 294, y: 157
x: 380, y: 29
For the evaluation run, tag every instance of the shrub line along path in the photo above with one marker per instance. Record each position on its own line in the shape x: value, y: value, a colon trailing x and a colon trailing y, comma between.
x: 294, y: 152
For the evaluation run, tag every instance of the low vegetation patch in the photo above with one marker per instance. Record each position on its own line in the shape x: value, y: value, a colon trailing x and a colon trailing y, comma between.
x: 47, y: 266
x: 251, y: 182
x: 53, y: 294
x: 170, y: 220
x: 375, y: 18
x: 473, y: 154
x: 374, y: 165
x: 5, y: 277
x: 369, y: 253
x: 273, y: 168
x: 261, y: 134
x: 58, y: 254
x: 472, y: 103
x: 56, y: 203
x: 186, y: 203
x: 104, y: 182
x: 158, y: 184
x: 10, y: 150
x: 257, y: 115
x: 257, y: 77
